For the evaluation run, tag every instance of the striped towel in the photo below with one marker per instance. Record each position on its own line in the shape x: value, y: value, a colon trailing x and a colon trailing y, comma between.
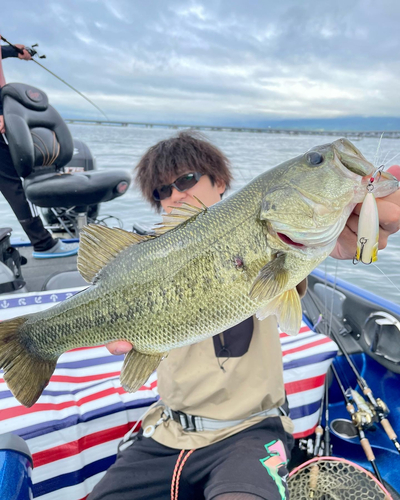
x: 74, y: 429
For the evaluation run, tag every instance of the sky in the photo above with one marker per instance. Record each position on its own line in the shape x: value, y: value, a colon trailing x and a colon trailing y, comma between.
x: 217, y: 62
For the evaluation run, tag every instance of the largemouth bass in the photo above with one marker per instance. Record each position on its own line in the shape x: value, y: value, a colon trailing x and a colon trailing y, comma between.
x: 205, y: 271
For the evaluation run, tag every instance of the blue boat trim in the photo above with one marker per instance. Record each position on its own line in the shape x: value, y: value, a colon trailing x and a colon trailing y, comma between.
x: 360, y: 292
x: 31, y: 300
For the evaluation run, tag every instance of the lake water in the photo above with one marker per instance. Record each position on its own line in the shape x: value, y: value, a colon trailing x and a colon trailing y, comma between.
x: 250, y: 154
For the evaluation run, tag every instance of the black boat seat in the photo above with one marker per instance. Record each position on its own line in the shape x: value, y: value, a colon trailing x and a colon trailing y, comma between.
x: 41, y: 145
x: 77, y: 189
x: 36, y: 133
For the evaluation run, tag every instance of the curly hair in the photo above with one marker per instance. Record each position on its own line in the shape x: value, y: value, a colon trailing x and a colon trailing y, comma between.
x: 188, y: 151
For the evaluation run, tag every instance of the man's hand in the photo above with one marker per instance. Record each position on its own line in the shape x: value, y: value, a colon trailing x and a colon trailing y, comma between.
x: 119, y: 347
x: 2, y: 126
x: 389, y: 223
x: 26, y: 56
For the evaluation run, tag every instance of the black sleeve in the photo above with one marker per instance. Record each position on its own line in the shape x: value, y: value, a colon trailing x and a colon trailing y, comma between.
x: 7, y: 51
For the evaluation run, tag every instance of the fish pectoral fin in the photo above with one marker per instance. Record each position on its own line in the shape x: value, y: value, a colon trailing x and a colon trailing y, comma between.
x: 26, y: 374
x: 270, y: 280
x: 137, y: 368
x: 179, y: 215
x: 287, y: 309
x: 99, y: 245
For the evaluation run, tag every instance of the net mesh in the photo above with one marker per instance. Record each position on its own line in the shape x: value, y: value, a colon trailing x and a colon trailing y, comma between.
x: 334, y: 480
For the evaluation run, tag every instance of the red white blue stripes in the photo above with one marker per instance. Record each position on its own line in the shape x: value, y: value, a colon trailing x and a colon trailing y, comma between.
x: 74, y: 429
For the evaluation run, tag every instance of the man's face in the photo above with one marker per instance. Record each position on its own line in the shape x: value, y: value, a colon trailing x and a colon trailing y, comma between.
x: 203, y: 190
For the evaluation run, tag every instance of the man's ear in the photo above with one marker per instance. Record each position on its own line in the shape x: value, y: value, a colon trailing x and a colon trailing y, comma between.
x: 221, y: 185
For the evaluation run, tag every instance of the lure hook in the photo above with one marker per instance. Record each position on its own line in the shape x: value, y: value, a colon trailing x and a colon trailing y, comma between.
x: 368, y: 225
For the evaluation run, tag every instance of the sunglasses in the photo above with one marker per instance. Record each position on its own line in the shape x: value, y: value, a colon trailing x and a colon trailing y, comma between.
x: 182, y: 183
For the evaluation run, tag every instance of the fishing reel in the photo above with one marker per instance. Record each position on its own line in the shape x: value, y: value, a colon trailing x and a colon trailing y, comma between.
x: 33, y: 52
x: 365, y: 416
x: 362, y: 419
x: 381, y: 408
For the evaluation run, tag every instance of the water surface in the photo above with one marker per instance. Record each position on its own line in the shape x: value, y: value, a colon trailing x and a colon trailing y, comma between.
x: 250, y: 154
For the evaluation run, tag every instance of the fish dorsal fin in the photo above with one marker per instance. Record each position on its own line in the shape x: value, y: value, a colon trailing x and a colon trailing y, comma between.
x: 99, y: 245
x: 271, y: 280
x: 287, y: 309
x: 179, y: 215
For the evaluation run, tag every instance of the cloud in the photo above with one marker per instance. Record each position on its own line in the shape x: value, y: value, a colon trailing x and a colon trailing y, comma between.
x: 212, y: 61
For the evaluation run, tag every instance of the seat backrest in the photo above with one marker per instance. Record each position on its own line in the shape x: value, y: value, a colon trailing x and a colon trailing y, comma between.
x: 36, y: 133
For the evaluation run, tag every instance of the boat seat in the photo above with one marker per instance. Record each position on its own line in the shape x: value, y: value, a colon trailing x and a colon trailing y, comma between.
x: 77, y: 189
x: 36, y: 133
x: 41, y: 145
x: 5, y: 231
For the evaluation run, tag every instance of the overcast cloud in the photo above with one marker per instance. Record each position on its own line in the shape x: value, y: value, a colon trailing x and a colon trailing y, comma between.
x: 212, y: 62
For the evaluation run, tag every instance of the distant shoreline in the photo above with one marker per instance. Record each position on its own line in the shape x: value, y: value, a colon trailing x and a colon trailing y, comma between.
x: 388, y: 134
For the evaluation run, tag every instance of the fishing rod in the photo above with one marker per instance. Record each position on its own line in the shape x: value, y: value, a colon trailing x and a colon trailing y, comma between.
x: 361, y: 420
x: 32, y: 53
x: 319, y: 431
x: 379, y: 406
x: 327, y: 436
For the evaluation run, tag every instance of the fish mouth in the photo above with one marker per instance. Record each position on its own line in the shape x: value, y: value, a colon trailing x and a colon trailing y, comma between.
x: 288, y: 241
x: 309, y: 238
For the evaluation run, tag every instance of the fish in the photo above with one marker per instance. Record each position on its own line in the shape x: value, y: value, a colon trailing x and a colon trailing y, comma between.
x: 203, y: 270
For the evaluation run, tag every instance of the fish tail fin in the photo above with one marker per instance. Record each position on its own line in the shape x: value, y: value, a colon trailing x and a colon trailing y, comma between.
x: 26, y: 374
x: 137, y: 369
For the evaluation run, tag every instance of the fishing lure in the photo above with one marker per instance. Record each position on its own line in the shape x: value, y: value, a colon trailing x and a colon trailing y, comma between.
x: 368, y: 226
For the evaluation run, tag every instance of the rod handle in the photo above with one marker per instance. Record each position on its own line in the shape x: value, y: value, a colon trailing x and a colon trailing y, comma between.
x: 367, y: 449
x: 314, y: 472
x: 388, y: 429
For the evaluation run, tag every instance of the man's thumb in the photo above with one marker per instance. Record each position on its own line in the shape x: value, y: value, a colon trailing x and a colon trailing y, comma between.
x: 395, y: 170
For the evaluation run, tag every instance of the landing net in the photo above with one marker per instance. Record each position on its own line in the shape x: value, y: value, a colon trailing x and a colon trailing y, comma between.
x: 331, y: 478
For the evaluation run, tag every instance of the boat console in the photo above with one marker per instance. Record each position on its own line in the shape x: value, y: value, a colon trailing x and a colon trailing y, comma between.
x: 59, y: 171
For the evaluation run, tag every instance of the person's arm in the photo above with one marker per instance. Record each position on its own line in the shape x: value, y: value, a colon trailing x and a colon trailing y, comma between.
x: 8, y: 51
x: 389, y: 223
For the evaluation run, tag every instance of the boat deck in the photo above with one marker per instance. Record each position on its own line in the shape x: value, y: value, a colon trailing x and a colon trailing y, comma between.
x: 40, y: 274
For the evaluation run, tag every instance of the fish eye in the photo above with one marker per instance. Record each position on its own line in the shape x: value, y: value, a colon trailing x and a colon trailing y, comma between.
x: 315, y: 158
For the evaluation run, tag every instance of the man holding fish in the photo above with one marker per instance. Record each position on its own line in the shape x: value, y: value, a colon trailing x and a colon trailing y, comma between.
x: 221, y: 430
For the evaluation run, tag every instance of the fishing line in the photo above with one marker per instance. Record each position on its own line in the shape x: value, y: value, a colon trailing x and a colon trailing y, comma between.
x: 394, y: 157
x: 343, y: 374
x: 386, y: 276
x: 71, y: 87
x: 377, y: 150
x: 384, y: 160
x: 33, y: 52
